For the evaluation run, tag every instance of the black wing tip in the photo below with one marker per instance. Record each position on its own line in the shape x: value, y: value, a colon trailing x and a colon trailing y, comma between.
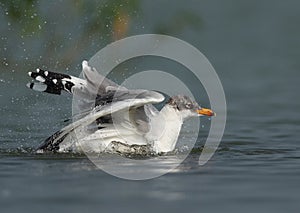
x: 51, y: 144
x: 50, y: 82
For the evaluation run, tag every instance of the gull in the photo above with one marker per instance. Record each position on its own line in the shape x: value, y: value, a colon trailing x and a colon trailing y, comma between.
x: 113, y: 118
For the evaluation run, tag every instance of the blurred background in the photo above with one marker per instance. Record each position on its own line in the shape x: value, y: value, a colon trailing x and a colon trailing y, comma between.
x: 254, y: 47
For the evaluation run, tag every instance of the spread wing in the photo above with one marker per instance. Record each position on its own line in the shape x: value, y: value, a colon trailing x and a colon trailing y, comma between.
x: 93, y: 86
x: 116, y: 109
x: 97, y: 102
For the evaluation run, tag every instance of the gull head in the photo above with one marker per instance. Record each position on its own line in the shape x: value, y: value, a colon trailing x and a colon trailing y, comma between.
x: 187, y: 107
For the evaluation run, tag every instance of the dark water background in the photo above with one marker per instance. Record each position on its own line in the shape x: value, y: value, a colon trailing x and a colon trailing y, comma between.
x: 254, y: 47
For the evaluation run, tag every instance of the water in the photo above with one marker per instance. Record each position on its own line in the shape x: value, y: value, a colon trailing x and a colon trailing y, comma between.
x: 254, y: 47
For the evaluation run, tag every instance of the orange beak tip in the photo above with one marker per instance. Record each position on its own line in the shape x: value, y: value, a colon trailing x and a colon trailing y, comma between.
x: 207, y: 112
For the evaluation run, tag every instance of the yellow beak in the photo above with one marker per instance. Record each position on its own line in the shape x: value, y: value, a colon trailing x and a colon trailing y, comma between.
x: 207, y: 112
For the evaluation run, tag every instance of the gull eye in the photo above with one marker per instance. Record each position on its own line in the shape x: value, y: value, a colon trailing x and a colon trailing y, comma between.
x: 188, y: 105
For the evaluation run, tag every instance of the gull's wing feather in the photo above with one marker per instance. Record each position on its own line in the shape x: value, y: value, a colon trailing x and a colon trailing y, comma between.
x: 85, y: 90
x: 96, y: 83
x: 122, y: 103
x: 95, y: 99
x: 149, y: 97
x: 92, y: 84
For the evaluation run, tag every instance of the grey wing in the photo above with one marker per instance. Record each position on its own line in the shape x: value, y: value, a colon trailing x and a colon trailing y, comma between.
x: 90, y: 91
x: 136, y: 102
x: 127, y: 99
x: 100, y: 91
x: 95, y: 99
x: 96, y: 84
x: 97, y: 88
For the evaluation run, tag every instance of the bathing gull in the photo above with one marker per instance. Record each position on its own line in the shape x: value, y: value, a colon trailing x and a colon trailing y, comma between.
x: 113, y: 118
